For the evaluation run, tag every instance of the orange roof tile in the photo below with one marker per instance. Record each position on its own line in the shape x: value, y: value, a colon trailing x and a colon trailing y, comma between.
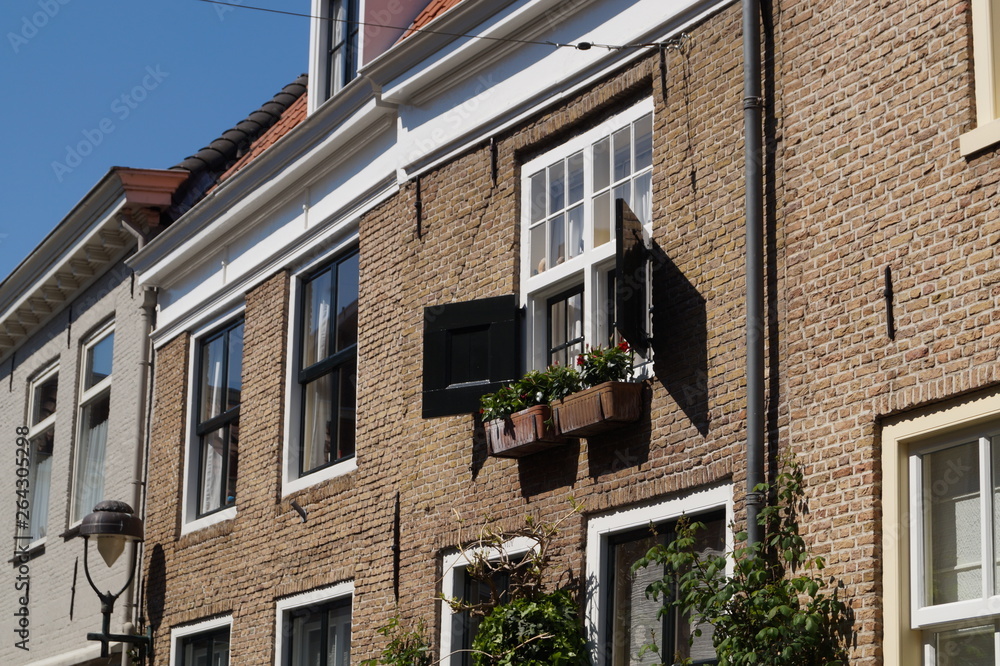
x: 291, y: 117
x: 433, y: 9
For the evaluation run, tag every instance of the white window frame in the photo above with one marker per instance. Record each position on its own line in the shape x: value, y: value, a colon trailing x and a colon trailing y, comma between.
x: 321, y: 62
x: 600, y: 528
x: 189, y: 497
x: 34, y: 430
x: 591, y: 266
x: 986, y: 71
x: 451, y: 564
x: 89, y: 396
x: 907, y: 636
x: 319, y: 596
x: 291, y: 482
x: 178, y: 634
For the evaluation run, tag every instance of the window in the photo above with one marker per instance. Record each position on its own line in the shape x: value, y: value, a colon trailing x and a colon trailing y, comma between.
x: 621, y: 620
x: 341, y: 45
x: 327, y: 362
x: 986, y: 58
x: 95, y: 409
x: 458, y: 629
x: 202, y: 644
x: 42, y: 398
x: 568, y: 232
x: 219, y: 376
x: 314, y: 629
x: 955, y: 546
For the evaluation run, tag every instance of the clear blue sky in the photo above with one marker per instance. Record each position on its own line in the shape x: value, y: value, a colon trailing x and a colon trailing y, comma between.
x: 137, y: 83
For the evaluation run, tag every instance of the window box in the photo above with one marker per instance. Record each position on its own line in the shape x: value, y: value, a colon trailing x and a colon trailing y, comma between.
x: 522, y: 433
x: 599, y: 409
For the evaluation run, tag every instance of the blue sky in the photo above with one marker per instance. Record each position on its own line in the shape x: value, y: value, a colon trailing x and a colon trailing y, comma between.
x: 137, y: 83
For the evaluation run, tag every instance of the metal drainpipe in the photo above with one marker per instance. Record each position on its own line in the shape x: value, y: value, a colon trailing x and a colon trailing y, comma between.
x: 129, y: 613
x: 753, y: 104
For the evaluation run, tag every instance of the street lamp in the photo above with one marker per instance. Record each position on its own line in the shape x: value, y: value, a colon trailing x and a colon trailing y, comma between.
x: 113, y: 524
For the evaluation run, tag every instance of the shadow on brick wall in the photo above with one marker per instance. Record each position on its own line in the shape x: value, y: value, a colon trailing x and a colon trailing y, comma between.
x: 680, y: 338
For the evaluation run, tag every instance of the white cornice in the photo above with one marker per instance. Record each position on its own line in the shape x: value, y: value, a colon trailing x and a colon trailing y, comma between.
x: 286, y: 169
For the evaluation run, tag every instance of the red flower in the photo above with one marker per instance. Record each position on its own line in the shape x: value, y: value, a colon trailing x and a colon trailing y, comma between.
x: 623, y: 345
x: 579, y: 359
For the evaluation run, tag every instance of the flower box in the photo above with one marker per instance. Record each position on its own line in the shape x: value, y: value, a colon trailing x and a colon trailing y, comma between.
x: 522, y: 433
x: 598, y: 409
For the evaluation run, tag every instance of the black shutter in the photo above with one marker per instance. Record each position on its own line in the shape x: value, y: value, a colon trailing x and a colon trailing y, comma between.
x: 630, y: 277
x: 470, y: 349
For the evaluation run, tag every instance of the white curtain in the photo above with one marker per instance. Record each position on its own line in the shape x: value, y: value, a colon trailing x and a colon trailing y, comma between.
x: 315, y: 445
x: 39, y: 508
x: 213, y: 445
x: 90, y: 468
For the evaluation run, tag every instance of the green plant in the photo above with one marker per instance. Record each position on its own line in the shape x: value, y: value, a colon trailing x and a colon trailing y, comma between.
x: 536, y: 387
x: 763, y: 614
x: 543, y: 630
x: 405, y: 647
x: 606, y: 364
x: 522, y: 624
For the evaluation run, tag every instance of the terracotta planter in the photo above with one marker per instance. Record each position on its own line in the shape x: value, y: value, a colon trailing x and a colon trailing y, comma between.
x: 598, y: 409
x: 522, y: 433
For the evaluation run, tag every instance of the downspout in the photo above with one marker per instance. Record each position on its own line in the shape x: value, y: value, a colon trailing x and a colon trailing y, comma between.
x: 132, y: 610
x: 753, y: 104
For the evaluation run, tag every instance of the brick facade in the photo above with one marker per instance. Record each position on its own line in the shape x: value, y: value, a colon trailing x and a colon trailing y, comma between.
x: 862, y: 173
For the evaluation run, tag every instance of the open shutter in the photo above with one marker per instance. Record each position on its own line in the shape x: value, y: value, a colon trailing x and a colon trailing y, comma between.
x: 470, y: 348
x: 630, y: 277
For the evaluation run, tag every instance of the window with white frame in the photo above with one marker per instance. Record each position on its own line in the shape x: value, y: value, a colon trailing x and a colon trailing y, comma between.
x: 327, y: 366
x: 341, y: 43
x: 986, y: 58
x: 203, y: 644
x: 568, y: 231
x: 459, y: 629
x: 217, y: 430
x: 92, y: 432
x: 314, y: 628
x: 954, y: 485
x: 42, y: 399
x: 621, y: 620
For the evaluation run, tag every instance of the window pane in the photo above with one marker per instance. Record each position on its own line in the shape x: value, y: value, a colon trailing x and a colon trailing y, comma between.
x: 557, y: 241
x: 622, y: 154
x: 39, y: 480
x: 316, y: 428
x: 464, y: 625
x: 952, y: 541
x: 566, y: 328
x: 208, y: 649
x: 575, y: 218
x: 320, y: 634
x: 339, y: 647
x: 644, y: 197
x: 89, y: 487
x: 316, y: 336
x: 212, y: 382
x: 99, y: 361
x: 574, y: 191
x: 973, y: 646
x: 307, y: 641
x: 537, y: 196
x: 537, y: 241
x: 643, y: 142
x: 347, y: 302
x: 348, y: 409
x: 602, y: 219
x: 218, y: 468
x: 234, y: 375
x: 602, y: 164
x: 557, y: 187
x: 43, y: 399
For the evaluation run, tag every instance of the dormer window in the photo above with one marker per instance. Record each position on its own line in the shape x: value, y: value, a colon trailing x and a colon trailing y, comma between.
x: 341, y: 44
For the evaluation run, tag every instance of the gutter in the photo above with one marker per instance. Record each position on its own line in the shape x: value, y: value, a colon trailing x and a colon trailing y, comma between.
x: 753, y: 105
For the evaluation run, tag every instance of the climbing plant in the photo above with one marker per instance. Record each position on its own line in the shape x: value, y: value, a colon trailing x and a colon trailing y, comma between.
x: 775, y: 608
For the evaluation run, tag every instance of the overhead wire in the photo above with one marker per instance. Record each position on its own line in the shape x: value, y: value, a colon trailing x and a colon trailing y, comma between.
x: 580, y: 46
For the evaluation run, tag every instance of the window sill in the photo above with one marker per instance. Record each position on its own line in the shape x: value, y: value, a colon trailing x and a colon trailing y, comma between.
x: 290, y: 486
x: 980, y: 138
x: 207, y: 521
x: 34, y: 549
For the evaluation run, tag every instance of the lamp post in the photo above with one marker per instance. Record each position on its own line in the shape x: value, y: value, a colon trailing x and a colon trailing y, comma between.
x: 113, y: 524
